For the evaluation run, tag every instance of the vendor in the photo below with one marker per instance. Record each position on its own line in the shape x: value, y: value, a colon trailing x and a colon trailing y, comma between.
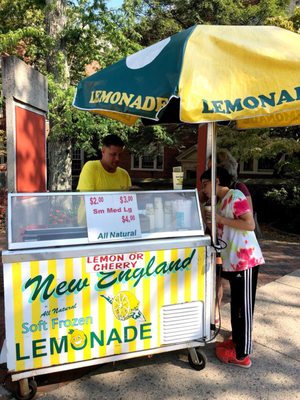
x: 105, y: 174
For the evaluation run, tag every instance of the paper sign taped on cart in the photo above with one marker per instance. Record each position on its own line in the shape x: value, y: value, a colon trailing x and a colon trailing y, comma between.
x: 112, y: 217
x: 62, y: 310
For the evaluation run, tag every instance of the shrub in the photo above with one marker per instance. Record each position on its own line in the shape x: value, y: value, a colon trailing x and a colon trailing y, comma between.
x: 285, y: 202
x: 277, y: 202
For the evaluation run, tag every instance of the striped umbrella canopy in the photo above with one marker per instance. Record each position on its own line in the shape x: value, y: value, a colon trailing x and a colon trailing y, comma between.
x: 203, y: 74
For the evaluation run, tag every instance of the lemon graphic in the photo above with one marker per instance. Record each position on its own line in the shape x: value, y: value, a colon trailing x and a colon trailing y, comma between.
x: 123, y: 304
x: 78, y: 339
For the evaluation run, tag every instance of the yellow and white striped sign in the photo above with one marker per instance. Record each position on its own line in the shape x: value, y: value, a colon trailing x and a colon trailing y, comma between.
x: 67, y: 310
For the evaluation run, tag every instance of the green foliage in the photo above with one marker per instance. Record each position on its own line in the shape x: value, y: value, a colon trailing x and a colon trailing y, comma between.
x: 277, y: 202
x: 94, y: 33
x: 259, y: 143
x: 2, y: 143
x: 287, y: 197
x: 281, y: 145
x: 91, y: 33
x: 159, y: 19
x: 295, y: 19
x: 277, y: 195
x: 291, y: 22
x: 288, y: 167
x: 16, y: 14
x: 141, y: 138
x: 22, y: 31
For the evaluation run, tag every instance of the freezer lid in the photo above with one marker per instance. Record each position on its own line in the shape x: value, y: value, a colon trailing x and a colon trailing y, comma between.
x: 43, y: 220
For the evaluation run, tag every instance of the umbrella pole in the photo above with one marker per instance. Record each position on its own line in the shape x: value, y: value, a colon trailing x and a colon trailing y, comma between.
x: 212, y: 133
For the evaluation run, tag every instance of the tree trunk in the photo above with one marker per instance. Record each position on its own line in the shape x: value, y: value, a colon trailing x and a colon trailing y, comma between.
x: 59, y: 153
x: 59, y: 166
x: 55, y: 19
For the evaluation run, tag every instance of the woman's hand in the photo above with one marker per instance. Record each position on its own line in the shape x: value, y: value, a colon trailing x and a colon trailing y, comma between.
x: 244, y: 222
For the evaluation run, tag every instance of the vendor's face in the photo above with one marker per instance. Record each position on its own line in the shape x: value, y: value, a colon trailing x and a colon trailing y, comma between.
x: 111, y: 157
x: 206, y: 187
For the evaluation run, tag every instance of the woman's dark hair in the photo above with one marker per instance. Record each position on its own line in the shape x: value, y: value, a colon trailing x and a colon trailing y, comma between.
x: 221, y: 173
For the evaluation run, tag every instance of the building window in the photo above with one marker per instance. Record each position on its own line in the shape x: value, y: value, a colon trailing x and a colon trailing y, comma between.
x: 261, y: 166
x: 151, y: 160
x: 191, y: 174
x: 77, y: 164
x: 265, y: 164
x: 248, y: 165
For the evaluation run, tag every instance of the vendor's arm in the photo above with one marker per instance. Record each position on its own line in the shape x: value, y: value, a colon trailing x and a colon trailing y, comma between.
x: 86, y: 182
x: 244, y: 222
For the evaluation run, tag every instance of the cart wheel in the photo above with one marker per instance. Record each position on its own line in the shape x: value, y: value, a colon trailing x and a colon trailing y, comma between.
x: 32, y: 385
x: 197, y: 359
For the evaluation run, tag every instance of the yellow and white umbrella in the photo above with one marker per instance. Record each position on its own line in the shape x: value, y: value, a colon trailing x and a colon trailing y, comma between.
x: 204, y: 74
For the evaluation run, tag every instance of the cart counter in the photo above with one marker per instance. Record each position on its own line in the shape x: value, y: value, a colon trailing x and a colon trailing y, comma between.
x: 95, y: 277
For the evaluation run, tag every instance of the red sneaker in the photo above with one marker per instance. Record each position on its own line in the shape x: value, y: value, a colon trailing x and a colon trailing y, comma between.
x: 228, y: 356
x: 228, y: 344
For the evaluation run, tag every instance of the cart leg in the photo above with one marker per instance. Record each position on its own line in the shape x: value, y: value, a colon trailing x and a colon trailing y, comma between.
x: 197, y: 359
x: 27, y: 389
x: 24, y: 387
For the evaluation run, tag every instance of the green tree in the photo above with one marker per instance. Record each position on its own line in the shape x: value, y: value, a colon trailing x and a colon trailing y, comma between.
x: 61, y: 38
x: 281, y: 145
x: 162, y: 18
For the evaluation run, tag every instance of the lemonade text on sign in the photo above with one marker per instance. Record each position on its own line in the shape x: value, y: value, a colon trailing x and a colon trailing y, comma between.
x: 145, y: 103
x: 251, y: 102
x: 53, y: 345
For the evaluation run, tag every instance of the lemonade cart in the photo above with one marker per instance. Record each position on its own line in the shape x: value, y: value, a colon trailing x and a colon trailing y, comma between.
x: 92, y: 278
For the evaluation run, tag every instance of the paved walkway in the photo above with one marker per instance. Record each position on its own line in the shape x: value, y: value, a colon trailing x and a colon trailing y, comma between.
x: 276, y: 359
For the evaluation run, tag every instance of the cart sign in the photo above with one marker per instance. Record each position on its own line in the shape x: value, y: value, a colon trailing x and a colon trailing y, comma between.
x: 112, y: 217
x: 114, y: 262
x: 68, y: 310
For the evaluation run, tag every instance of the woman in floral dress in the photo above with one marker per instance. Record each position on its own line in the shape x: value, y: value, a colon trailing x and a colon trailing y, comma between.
x: 241, y: 259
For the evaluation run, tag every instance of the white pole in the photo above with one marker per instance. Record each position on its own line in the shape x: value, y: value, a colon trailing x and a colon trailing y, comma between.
x: 212, y: 132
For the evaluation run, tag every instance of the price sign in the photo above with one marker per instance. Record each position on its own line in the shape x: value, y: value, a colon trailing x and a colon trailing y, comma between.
x: 112, y: 217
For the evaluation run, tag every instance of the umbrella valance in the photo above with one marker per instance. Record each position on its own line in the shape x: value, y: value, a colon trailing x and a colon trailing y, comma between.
x: 204, y: 74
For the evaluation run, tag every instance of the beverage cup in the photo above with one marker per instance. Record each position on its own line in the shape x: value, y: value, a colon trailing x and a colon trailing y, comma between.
x: 207, y: 213
x: 177, y: 180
